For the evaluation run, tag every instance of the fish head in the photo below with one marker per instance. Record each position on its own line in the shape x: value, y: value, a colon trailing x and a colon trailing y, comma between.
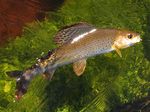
x: 126, y: 39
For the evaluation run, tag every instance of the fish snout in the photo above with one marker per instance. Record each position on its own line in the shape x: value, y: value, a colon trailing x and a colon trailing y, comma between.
x: 140, y: 39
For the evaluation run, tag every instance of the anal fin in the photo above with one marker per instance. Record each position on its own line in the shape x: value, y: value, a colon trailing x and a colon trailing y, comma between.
x: 79, y: 67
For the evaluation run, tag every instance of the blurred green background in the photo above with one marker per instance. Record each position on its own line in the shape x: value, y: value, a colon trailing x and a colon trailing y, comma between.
x: 108, y: 81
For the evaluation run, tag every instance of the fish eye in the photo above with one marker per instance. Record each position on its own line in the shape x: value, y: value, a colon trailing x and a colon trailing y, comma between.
x: 130, y: 36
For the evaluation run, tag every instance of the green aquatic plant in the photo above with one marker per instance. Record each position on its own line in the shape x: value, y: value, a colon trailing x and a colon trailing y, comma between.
x: 108, y: 80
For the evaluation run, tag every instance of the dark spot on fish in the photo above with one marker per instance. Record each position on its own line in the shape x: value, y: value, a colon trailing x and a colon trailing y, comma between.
x: 46, y: 56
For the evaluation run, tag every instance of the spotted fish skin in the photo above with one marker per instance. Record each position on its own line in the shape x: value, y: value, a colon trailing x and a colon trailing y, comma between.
x: 76, y: 43
x: 95, y: 43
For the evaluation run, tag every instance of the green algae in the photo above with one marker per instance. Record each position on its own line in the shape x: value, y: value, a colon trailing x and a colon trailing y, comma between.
x: 108, y: 80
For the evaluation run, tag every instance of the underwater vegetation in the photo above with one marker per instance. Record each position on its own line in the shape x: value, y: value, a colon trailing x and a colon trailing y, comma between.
x: 108, y: 80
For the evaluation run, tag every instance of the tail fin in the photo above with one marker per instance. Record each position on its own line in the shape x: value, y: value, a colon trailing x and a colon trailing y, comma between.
x: 23, y: 78
x: 14, y: 74
x: 21, y: 83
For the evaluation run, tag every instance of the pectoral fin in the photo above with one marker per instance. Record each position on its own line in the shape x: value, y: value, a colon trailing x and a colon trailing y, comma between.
x: 79, y: 67
x: 48, y: 74
x: 117, y: 50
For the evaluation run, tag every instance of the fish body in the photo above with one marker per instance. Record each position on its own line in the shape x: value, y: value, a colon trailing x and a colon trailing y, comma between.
x: 76, y: 43
x: 92, y: 44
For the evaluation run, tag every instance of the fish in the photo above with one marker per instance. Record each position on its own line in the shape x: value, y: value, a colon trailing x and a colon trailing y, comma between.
x: 76, y: 43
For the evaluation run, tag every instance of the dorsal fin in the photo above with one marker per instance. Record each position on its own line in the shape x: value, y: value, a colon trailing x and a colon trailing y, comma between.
x: 68, y: 33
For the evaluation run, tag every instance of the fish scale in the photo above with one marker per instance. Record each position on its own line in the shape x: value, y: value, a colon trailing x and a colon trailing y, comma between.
x: 86, y: 47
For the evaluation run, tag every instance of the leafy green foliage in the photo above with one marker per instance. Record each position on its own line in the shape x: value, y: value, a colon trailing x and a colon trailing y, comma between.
x: 108, y: 80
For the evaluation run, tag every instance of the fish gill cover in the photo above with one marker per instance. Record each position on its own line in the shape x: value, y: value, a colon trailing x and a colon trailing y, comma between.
x: 108, y: 81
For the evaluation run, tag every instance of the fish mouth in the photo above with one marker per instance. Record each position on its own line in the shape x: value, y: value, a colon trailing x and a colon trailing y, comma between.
x: 138, y: 39
x: 135, y: 40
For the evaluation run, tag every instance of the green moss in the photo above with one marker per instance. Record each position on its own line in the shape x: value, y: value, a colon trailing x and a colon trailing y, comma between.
x: 108, y: 80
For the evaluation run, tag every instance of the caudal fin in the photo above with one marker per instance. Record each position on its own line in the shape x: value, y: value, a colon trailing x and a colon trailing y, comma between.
x: 14, y: 74
x: 21, y: 83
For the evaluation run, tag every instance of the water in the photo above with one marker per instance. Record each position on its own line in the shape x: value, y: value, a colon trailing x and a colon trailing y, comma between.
x: 108, y: 81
